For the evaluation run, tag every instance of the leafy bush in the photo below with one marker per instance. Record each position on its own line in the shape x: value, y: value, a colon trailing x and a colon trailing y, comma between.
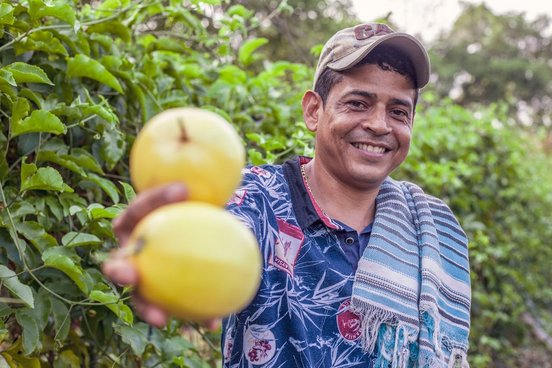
x: 76, y: 83
x: 498, y: 182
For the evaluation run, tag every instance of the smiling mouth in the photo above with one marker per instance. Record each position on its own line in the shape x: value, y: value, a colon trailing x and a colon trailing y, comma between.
x: 369, y: 148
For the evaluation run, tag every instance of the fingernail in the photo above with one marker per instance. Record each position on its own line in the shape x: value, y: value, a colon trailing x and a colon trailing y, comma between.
x: 120, y: 271
x: 156, y: 317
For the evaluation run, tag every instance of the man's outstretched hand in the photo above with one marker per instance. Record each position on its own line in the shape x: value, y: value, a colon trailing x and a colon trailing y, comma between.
x: 119, y: 269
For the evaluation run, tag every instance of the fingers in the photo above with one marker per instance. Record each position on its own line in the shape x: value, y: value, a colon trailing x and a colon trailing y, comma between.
x: 143, y: 204
x: 150, y: 313
x: 120, y: 270
x: 213, y: 324
x: 118, y: 266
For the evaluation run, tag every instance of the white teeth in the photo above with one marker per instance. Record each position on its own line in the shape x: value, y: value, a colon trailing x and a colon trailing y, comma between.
x: 369, y: 148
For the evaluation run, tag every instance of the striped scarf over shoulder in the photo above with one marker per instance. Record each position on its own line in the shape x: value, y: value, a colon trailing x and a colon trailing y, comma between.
x: 412, y: 286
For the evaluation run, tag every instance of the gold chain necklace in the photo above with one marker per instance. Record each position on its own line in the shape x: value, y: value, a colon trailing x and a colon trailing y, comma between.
x: 309, y: 189
x: 305, y: 179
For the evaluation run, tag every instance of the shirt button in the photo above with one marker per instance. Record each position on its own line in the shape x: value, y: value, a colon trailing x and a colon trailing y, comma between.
x: 349, y: 240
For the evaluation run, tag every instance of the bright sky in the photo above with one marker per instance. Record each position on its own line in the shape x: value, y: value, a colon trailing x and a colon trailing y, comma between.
x: 430, y: 16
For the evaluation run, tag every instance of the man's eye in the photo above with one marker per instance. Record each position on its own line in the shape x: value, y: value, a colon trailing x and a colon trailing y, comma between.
x: 356, y: 104
x: 399, y: 112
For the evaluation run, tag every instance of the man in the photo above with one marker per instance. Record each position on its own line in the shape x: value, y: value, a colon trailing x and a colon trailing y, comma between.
x: 359, y: 269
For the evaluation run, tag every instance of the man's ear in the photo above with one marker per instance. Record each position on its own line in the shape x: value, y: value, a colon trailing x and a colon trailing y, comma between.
x: 312, y: 109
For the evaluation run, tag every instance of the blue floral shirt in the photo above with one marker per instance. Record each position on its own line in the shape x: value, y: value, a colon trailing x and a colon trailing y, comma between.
x: 300, y: 316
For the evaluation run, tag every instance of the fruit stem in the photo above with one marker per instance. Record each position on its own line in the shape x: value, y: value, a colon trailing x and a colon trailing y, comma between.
x: 183, y: 135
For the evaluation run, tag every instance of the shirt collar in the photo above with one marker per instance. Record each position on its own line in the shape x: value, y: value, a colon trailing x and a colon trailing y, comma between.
x: 306, y: 210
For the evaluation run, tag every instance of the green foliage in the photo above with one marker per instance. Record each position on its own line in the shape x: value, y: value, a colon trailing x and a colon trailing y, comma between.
x: 298, y: 25
x: 77, y: 82
x: 498, y: 182
x: 485, y: 58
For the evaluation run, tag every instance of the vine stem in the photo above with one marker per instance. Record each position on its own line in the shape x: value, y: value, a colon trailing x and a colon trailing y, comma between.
x: 11, y: 300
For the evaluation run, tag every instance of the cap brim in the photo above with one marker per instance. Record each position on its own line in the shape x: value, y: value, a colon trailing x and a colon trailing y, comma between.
x: 404, y: 42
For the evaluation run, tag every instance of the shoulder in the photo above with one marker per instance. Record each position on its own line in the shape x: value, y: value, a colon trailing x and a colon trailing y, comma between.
x: 259, y: 182
x: 441, y: 213
x: 256, y: 173
x: 418, y: 195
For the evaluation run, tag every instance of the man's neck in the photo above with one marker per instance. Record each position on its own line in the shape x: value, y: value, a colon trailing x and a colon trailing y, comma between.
x: 352, y: 206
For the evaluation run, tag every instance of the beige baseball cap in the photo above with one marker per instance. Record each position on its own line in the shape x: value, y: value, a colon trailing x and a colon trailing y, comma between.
x: 349, y: 46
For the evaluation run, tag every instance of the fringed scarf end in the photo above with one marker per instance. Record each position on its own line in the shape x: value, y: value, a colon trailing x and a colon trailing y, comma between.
x: 372, y: 318
x: 396, y: 342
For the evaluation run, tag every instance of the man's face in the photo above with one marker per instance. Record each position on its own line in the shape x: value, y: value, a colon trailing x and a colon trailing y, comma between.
x: 363, y: 130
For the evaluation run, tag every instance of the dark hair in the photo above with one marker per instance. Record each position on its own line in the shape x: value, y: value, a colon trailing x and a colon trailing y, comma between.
x: 386, y: 57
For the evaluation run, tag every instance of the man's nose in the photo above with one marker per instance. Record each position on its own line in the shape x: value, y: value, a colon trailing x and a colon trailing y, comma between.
x: 377, y: 122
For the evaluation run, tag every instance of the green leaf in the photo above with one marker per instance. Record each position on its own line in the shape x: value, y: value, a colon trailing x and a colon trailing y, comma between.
x: 7, y: 77
x: 40, y: 121
x: 16, y: 359
x: 107, y: 213
x: 239, y: 10
x: 41, y: 41
x: 232, y: 74
x: 112, y: 147
x: 20, y: 110
x: 32, y: 96
x: 74, y: 239
x: 31, y: 333
x: 86, y: 160
x: 128, y: 189
x: 245, y: 54
x: 5, y: 311
x: 116, y: 28
x: 6, y: 14
x: 62, y: 319
x: 11, y: 281
x: 107, y: 185
x: 175, y: 345
x: 136, y: 336
x: 45, y: 178
x: 208, y: 2
x: 101, y: 111
x: 62, y: 160
x: 67, y: 359
x: 107, y: 6
x: 55, y: 207
x: 83, y: 66
x: 35, y: 233
x: 26, y: 73
x: 42, y: 308
x: 60, y: 10
x: 22, y: 208
x: 64, y: 259
x: 114, y: 303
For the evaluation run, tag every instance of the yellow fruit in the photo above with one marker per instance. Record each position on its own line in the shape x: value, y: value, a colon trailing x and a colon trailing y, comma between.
x: 190, y: 145
x: 196, y: 260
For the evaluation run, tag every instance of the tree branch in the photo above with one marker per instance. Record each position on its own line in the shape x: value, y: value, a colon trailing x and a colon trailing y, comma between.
x: 538, y: 331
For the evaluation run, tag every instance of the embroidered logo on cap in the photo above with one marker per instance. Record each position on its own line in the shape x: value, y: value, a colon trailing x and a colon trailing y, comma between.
x: 365, y: 31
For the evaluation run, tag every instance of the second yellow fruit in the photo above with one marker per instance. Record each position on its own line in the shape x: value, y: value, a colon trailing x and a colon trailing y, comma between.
x: 196, y: 260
